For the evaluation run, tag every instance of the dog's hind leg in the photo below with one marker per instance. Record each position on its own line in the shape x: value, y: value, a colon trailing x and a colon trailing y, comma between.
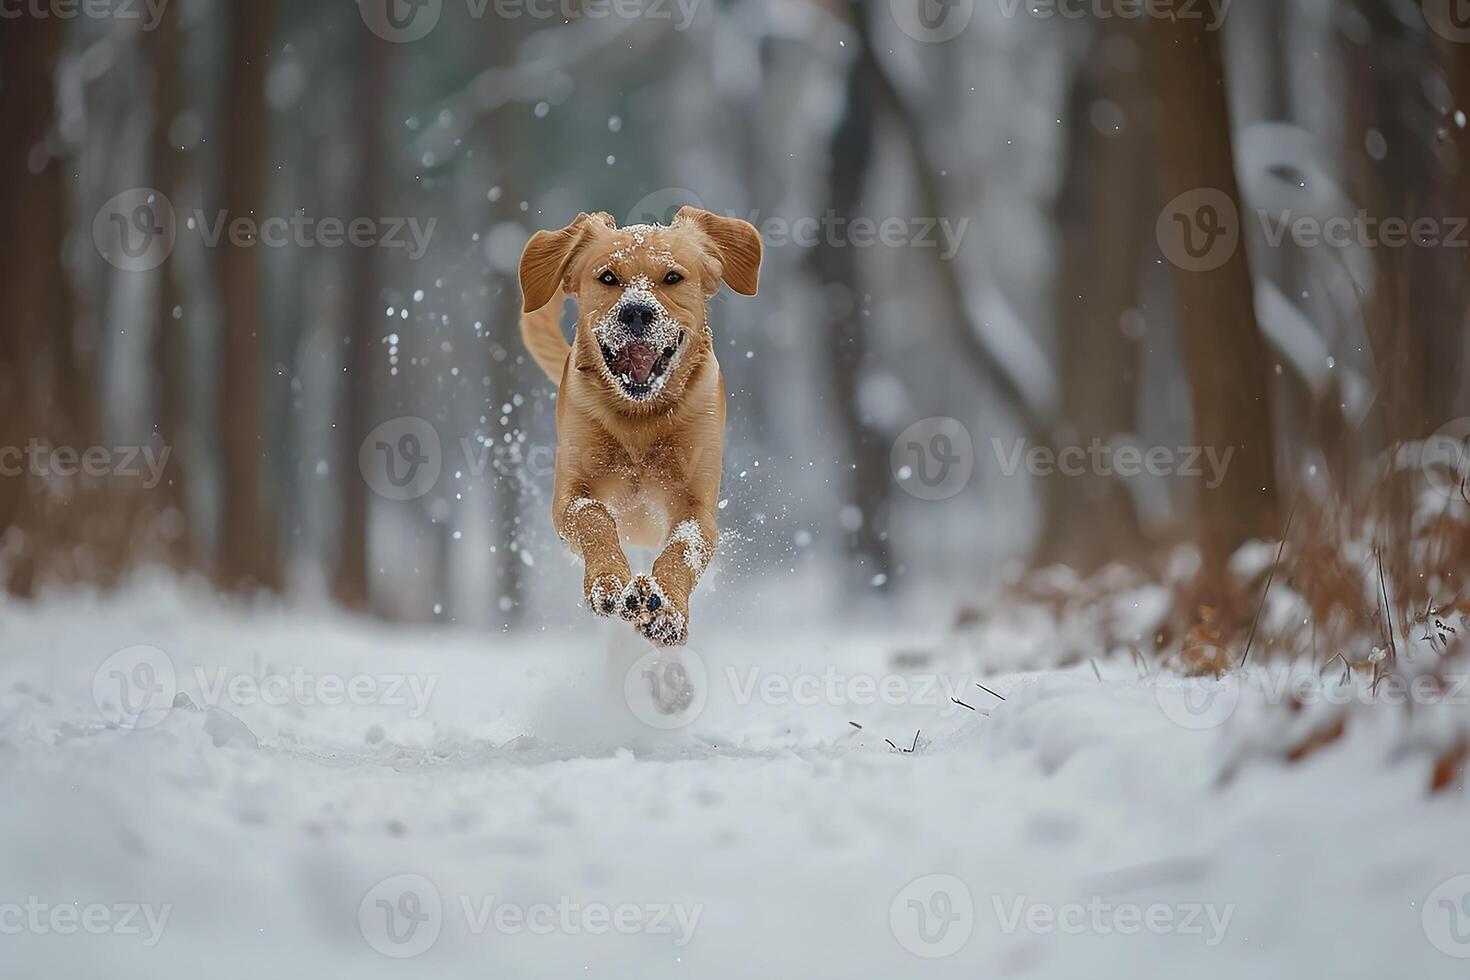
x: 659, y: 603
x: 589, y: 528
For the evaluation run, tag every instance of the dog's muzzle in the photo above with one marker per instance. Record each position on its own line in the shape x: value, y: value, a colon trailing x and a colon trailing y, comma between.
x: 639, y: 342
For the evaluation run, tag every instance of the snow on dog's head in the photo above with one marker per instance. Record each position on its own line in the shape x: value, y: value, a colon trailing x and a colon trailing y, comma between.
x: 640, y: 341
x: 643, y: 293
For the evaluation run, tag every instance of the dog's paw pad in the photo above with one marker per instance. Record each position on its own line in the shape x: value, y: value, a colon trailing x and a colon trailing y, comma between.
x: 657, y: 617
x: 603, y: 593
x: 666, y: 627
x: 634, y: 599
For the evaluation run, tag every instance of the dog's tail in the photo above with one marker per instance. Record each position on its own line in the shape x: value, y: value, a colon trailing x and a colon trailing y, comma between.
x: 541, y: 332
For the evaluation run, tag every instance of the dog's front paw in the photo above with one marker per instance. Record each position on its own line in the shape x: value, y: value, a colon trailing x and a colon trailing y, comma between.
x: 604, y: 592
x: 657, y: 616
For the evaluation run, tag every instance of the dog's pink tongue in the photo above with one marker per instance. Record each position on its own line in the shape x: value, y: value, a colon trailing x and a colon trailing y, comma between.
x: 640, y: 357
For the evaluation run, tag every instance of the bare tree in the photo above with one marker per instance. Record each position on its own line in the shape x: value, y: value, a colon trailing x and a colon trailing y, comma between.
x: 168, y: 341
x: 510, y: 158
x: 46, y: 388
x: 1225, y: 356
x: 1456, y: 61
x: 351, y: 579
x: 248, y: 547
x: 851, y: 155
x: 1106, y: 194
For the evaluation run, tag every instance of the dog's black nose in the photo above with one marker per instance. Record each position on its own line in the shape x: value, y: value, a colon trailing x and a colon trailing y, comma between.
x: 637, y: 317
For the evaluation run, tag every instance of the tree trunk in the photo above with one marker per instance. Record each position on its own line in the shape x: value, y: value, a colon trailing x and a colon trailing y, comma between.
x: 1450, y: 348
x: 38, y: 361
x: 851, y: 153
x: 511, y: 142
x: 168, y: 347
x: 1384, y: 88
x: 1091, y: 520
x: 248, y: 544
x: 352, y: 583
x: 1224, y: 354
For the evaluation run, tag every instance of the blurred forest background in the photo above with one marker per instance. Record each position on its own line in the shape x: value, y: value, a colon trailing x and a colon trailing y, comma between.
x: 1060, y: 144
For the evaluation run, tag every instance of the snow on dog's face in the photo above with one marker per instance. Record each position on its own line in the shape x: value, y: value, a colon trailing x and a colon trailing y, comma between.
x: 643, y: 293
x: 639, y: 339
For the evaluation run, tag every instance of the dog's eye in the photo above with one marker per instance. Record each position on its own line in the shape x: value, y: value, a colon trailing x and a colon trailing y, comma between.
x: 673, y: 279
x: 608, y: 279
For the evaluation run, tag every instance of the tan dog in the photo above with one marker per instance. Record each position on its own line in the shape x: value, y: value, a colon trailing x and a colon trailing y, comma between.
x: 640, y: 416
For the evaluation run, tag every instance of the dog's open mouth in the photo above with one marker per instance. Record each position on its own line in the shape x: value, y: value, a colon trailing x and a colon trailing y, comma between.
x: 640, y: 367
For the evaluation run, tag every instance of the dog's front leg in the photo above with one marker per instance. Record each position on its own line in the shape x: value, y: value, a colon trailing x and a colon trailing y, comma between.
x: 588, y: 527
x: 659, y: 603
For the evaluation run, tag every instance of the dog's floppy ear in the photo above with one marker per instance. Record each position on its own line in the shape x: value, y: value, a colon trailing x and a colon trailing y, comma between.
x: 737, y: 245
x: 548, y: 254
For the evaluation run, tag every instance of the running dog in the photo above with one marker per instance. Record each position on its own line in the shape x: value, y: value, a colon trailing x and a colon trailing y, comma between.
x: 640, y: 412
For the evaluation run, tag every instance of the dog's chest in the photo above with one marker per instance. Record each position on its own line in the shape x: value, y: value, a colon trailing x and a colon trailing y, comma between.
x: 638, y: 494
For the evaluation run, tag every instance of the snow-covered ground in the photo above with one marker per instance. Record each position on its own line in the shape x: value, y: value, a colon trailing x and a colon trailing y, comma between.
x: 195, y: 790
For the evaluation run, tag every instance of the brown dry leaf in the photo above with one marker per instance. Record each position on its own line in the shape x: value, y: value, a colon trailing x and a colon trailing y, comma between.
x: 1319, y: 739
x: 1449, y: 768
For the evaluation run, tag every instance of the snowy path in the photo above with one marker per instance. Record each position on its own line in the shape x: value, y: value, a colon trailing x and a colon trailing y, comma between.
x: 560, y: 835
